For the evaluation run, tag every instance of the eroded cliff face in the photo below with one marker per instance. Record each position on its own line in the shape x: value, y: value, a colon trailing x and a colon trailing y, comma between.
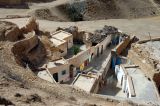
x: 29, y: 50
x: 9, y: 31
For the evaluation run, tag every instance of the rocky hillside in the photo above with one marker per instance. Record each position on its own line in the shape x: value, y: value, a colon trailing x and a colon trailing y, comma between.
x: 109, y: 9
x: 79, y: 10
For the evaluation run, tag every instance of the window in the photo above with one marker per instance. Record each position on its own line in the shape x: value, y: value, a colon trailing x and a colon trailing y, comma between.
x: 63, y: 72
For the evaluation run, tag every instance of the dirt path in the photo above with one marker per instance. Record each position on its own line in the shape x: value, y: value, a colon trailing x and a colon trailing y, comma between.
x: 139, y: 27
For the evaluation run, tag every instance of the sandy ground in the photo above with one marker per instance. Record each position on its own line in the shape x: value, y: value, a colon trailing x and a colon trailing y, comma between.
x: 153, y: 48
x: 139, y: 27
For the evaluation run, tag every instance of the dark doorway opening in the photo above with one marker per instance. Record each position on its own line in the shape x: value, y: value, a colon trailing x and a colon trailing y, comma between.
x: 122, y: 81
x: 102, y: 49
x: 98, y: 51
x: 55, y: 76
x: 92, y: 56
x: 71, y: 71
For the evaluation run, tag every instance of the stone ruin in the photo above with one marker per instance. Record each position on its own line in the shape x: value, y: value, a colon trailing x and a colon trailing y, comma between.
x: 27, y: 48
x: 99, y: 35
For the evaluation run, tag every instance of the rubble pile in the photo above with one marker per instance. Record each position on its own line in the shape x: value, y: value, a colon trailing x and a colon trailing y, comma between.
x: 45, y: 14
x: 99, y: 35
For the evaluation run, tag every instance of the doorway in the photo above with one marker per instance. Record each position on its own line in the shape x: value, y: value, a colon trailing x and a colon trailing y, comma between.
x: 98, y: 51
x: 55, y: 76
x: 102, y: 49
x: 71, y: 71
x: 92, y: 56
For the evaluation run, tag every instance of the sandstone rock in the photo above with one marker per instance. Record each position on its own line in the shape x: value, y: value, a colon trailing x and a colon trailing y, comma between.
x: 9, y: 31
x: 32, y: 25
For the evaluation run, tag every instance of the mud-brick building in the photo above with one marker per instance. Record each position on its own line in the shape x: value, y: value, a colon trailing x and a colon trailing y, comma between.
x: 67, y: 66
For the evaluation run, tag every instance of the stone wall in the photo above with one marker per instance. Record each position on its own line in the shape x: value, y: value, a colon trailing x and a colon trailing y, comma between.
x: 79, y: 59
x: 122, y: 45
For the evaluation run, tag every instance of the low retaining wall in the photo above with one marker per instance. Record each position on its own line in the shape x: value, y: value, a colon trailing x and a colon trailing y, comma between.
x: 146, y: 68
x: 147, y: 40
x: 105, y: 66
x: 78, y: 59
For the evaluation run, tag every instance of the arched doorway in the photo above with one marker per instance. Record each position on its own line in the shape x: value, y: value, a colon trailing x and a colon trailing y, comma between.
x: 55, y: 76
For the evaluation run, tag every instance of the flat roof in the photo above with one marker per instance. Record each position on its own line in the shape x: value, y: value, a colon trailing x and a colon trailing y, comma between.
x: 85, y: 82
x: 56, y: 63
x: 61, y: 35
x: 144, y: 88
x: 57, y: 42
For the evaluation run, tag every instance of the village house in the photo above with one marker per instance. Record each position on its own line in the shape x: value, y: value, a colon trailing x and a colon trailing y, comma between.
x: 133, y: 82
x: 64, y: 36
x: 64, y: 69
x: 125, y: 80
x: 88, y: 83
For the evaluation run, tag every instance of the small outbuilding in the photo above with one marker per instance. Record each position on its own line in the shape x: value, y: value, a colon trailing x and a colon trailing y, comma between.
x: 62, y: 35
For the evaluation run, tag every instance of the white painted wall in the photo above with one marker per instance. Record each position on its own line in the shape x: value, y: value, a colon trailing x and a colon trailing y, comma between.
x: 45, y: 76
x: 70, y: 42
x: 63, y: 78
x: 119, y: 72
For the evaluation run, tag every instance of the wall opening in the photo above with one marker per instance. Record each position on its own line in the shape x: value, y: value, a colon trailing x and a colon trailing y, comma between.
x: 92, y: 56
x: 71, y: 69
x: 98, y: 51
x: 55, y: 76
x: 102, y: 49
